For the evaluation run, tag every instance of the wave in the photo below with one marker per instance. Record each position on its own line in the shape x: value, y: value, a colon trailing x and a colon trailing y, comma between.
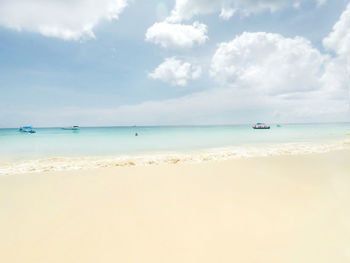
x: 217, y: 154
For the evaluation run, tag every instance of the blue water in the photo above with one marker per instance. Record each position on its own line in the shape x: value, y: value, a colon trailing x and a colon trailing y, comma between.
x: 109, y: 141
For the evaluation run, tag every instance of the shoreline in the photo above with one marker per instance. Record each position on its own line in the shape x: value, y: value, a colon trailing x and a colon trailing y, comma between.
x: 277, y: 209
x: 163, y: 158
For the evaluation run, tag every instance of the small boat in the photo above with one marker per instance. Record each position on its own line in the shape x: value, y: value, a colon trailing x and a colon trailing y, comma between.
x: 27, y: 129
x: 72, y: 128
x: 261, y: 126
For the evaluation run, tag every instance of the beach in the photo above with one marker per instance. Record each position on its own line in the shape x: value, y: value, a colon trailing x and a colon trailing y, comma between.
x: 282, y: 208
x: 184, y: 131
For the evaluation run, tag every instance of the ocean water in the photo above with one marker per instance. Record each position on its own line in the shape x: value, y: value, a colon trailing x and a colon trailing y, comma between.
x: 113, y: 145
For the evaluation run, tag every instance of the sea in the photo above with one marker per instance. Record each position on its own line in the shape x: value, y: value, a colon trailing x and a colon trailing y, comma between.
x: 56, y: 149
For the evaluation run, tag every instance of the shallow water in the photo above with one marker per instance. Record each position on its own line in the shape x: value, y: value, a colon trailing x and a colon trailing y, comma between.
x: 112, y: 141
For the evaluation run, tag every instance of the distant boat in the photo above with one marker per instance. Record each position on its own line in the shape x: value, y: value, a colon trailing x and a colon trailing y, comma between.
x: 261, y: 126
x: 278, y: 125
x: 27, y: 129
x: 71, y: 128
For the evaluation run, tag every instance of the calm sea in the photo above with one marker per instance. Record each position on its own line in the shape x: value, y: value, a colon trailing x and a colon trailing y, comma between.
x: 111, y: 141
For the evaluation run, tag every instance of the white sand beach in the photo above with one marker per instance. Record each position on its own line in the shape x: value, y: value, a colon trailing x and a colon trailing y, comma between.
x: 273, y: 209
x: 183, y: 131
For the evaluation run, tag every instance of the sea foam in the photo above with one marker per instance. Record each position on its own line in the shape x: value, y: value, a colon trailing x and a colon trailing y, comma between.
x: 173, y: 158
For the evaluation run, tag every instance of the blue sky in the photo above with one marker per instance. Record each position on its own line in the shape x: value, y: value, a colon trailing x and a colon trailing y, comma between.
x: 115, y: 77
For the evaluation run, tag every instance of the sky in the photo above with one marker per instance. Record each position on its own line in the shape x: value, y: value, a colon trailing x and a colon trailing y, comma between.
x: 173, y: 62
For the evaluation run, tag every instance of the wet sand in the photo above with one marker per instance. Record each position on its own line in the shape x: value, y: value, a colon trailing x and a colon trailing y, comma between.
x: 273, y: 209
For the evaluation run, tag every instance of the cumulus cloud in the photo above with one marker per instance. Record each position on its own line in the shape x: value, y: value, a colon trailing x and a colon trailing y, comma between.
x: 264, y: 76
x: 186, y: 9
x: 177, y: 35
x: 338, y: 73
x: 336, y: 78
x: 339, y: 39
x: 269, y: 63
x: 176, y: 72
x: 69, y: 20
x: 286, y: 72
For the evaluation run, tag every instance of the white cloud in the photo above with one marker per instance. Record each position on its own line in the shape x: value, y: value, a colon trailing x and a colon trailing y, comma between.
x: 269, y: 63
x: 337, y: 78
x: 176, y: 72
x: 263, y: 76
x: 186, y: 9
x: 69, y: 20
x: 227, y: 13
x: 288, y: 73
x: 338, y: 72
x: 177, y: 35
x: 339, y: 38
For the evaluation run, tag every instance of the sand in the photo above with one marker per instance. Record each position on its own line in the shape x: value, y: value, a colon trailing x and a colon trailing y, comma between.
x: 274, y: 209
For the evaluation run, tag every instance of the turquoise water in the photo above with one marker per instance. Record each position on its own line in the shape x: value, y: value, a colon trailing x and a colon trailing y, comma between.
x: 109, y: 141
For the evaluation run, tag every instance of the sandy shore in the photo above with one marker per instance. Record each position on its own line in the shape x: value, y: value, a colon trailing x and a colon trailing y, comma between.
x: 275, y: 209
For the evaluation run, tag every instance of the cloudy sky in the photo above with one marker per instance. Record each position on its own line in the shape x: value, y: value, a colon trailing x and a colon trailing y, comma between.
x: 170, y: 62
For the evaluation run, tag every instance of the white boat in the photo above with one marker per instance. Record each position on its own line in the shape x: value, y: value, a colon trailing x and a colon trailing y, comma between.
x: 71, y: 128
x: 261, y: 126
